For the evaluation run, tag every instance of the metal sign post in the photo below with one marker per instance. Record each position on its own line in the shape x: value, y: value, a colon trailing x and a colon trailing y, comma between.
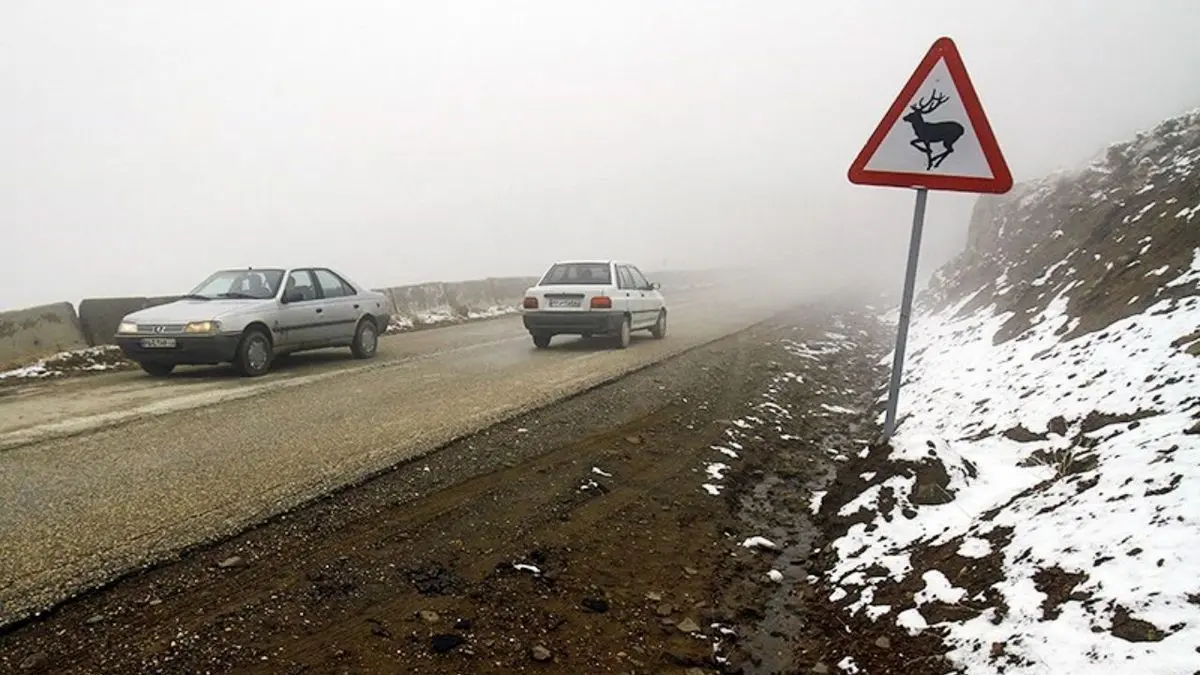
x: 906, y: 303
x: 935, y: 136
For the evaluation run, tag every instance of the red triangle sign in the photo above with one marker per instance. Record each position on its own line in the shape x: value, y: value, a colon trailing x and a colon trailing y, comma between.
x: 936, y: 135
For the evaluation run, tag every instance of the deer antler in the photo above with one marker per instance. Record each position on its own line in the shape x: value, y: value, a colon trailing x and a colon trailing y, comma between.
x: 935, y: 101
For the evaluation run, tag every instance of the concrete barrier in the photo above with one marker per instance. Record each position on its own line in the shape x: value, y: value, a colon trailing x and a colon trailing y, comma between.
x: 99, y: 317
x: 456, y: 298
x: 29, y: 334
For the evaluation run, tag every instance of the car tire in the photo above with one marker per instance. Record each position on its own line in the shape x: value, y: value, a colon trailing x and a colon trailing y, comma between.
x: 366, y: 340
x: 157, y: 369
x: 624, y: 335
x: 659, y: 329
x: 541, y: 340
x: 254, y: 353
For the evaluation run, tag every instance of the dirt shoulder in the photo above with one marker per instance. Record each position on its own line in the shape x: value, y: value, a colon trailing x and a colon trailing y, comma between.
x: 583, y: 538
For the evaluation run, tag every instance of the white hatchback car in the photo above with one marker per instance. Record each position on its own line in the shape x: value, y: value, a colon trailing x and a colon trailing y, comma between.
x: 607, y: 298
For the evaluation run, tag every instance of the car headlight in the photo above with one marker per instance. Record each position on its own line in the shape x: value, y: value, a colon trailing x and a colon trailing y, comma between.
x: 127, y: 327
x: 202, y: 327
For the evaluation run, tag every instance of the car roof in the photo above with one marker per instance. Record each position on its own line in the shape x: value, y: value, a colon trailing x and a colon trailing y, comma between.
x: 609, y: 261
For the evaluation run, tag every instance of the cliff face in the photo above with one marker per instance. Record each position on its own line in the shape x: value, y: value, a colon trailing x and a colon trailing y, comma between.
x: 1041, y: 488
x: 1107, y: 239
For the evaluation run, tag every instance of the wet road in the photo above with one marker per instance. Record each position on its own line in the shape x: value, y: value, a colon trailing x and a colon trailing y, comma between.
x: 206, y: 453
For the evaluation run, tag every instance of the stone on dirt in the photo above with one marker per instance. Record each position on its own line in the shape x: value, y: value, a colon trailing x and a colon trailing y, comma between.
x: 444, y: 642
x: 540, y: 653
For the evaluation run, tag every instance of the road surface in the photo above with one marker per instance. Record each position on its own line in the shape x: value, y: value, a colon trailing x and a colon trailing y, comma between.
x: 106, y: 474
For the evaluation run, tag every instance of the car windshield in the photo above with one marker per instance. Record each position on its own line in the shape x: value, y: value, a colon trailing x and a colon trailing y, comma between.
x: 578, y: 273
x: 239, y: 284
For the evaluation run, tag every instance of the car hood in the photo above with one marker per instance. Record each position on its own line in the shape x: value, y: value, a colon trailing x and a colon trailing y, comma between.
x: 183, y: 311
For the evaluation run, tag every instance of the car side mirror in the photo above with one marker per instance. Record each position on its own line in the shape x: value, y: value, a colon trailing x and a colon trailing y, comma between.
x: 293, y: 295
x: 654, y: 285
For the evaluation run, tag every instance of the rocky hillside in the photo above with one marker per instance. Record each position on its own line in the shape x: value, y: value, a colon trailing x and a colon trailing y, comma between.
x: 1039, y: 506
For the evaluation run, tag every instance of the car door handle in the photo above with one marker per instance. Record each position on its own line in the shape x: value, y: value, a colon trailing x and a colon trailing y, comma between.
x: 319, y: 310
x: 356, y: 307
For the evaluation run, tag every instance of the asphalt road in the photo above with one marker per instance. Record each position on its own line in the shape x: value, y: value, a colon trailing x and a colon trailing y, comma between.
x: 107, y: 474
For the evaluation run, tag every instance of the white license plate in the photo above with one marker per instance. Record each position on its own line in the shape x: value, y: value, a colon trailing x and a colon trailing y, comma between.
x: 158, y: 343
x: 565, y: 302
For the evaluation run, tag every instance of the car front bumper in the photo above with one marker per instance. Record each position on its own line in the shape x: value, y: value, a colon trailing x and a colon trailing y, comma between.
x: 188, y: 350
x: 573, y: 323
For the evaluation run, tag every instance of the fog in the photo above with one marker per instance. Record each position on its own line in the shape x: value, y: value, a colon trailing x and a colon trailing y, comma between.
x: 147, y: 143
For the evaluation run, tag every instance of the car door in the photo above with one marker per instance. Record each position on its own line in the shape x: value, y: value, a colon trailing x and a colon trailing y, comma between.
x: 651, y: 300
x: 300, y: 312
x: 341, y: 307
x: 632, y: 296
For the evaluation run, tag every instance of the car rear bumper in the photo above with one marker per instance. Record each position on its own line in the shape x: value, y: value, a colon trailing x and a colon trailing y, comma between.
x: 189, y: 350
x: 573, y: 323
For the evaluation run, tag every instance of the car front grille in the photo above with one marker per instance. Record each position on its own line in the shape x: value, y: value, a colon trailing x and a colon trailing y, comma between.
x: 160, y: 328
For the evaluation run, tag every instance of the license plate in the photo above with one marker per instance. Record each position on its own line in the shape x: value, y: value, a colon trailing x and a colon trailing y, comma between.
x: 158, y: 343
x: 565, y: 302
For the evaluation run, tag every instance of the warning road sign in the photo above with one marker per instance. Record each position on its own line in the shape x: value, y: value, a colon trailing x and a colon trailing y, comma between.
x: 936, y: 135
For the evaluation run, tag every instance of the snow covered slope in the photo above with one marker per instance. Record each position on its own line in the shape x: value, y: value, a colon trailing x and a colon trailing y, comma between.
x: 1039, y: 506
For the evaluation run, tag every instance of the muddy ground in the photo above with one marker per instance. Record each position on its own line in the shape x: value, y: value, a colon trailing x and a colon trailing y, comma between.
x: 576, y: 539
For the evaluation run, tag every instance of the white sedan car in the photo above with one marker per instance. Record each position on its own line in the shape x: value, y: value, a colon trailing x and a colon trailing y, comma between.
x: 607, y: 298
x: 249, y: 317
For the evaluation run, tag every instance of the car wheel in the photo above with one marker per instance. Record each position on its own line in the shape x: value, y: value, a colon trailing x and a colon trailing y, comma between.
x: 659, y: 330
x: 157, y: 369
x: 366, y: 340
x: 254, y: 353
x: 541, y: 341
x: 625, y: 336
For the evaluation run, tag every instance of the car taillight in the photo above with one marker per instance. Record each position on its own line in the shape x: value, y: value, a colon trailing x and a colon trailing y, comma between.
x: 529, y: 303
x: 602, y: 302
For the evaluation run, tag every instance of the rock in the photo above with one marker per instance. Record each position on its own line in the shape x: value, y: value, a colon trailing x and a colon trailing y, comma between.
x: 932, y: 485
x: 930, y: 494
x: 664, y: 610
x: 232, y: 561
x: 688, y: 626
x: 654, y: 597
x: 691, y: 571
x: 1130, y: 629
x: 1058, y: 425
x: 94, y: 619
x: 633, y: 440
x: 597, y: 605
x: 540, y: 653
x: 1022, y: 435
x: 35, y: 660
x: 1194, y: 430
x: 883, y: 643
x: 821, y: 669
x: 429, y: 616
x: 462, y: 624
x: 444, y: 642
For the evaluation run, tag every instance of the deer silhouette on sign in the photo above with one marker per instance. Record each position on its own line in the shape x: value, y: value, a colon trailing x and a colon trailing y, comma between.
x: 947, y: 133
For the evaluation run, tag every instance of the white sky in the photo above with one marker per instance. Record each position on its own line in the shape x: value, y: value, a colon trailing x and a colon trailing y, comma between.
x: 146, y: 143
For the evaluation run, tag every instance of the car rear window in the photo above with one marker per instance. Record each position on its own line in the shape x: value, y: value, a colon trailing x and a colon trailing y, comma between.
x: 578, y: 273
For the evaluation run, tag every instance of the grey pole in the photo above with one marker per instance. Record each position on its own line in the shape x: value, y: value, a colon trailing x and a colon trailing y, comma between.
x: 906, y: 303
